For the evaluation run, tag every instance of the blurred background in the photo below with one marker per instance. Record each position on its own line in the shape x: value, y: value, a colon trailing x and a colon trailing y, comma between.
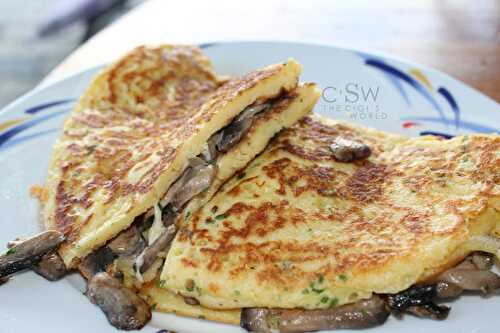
x: 36, y: 35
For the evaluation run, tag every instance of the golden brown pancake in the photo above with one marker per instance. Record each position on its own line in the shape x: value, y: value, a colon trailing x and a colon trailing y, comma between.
x: 135, y: 129
x: 298, y: 229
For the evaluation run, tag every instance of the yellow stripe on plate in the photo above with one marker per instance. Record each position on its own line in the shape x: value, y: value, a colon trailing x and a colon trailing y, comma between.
x: 421, y: 77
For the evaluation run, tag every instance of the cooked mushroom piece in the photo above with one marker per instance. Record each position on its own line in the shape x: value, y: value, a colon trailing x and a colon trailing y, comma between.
x: 150, y: 253
x: 191, y: 300
x: 473, y: 280
x: 430, y: 310
x: 199, y: 179
x: 447, y: 290
x: 345, y: 150
x: 362, y: 314
x: 51, y: 267
x: 96, y: 262
x: 413, y: 296
x: 482, y: 261
x: 128, y: 242
x: 232, y: 133
x: 256, y: 320
x: 26, y: 253
x: 123, y: 308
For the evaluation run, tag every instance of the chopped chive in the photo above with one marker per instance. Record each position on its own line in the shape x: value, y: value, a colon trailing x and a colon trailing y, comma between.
x: 324, y: 299
x: 220, y: 217
x: 305, y: 291
x: 314, y: 289
x: 160, y: 283
x: 188, y: 214
x: 153, y: 307
x: 241, y: 175
x: 237, y: 292
x: 333, y: 302
x: 321, y: 278
x: 11, y: 251
x: 343, y: 277
x: 363, y: 311
x: 201, y: 317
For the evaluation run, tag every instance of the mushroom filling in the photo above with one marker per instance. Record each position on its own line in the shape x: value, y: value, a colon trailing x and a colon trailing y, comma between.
x: 150, y: 235
x: 473, y: 274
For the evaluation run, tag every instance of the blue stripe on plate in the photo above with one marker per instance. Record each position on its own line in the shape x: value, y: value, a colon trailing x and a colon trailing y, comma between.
x: 453, y: 104
x: 41, y: 107
x: 7, y: 135
x: 408, y: 79
x: 22, y: 139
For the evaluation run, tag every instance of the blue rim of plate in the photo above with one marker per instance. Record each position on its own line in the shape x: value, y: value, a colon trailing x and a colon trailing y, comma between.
x: 414, y: 78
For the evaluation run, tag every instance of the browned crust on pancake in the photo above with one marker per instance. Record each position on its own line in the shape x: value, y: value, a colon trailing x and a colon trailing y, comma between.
x: 243, y: 229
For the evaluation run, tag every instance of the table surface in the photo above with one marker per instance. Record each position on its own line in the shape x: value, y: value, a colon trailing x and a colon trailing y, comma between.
x: 460, y: 37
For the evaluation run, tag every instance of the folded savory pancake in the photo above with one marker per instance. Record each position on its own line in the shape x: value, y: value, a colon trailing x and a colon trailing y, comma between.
x: 158, y: 131
x: 298, y: 228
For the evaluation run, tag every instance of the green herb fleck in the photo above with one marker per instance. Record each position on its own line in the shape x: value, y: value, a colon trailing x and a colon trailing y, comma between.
x: 333, y: 302
x: 237, y: 292
x: 220, y: 217
x: 321, y: 278
x: 314, y: 289
x: 241, y: 175
x: 343, y: 277
x: 324, y: 299
x: 188, y: 215
x: 160, y: 283
x: 11, y: 251
x: 201, y: 317
x: 305, y: 291
x: 153, y: 307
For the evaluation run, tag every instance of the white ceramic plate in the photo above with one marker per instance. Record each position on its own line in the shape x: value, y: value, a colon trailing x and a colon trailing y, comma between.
x: 372, y: 90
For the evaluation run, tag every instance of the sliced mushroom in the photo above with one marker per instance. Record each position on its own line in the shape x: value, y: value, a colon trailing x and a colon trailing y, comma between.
x: 123, y: 308
x: 482, y: 261
x: 96, y: 262
x: 26, y: 253
x: 128, y: 242
x: 199, y: 179
x: 413, y: 296
x: 150, y: 253
x: 212, y: 152
x: 191, y: 300
x: 345, y: 150
x: 51, y: 267
x: 259, y: 320
x: 362, y: 314
x: 446, y: 290
x: 232, y: 133
x: 474, y: 280
x: 430, y: 310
